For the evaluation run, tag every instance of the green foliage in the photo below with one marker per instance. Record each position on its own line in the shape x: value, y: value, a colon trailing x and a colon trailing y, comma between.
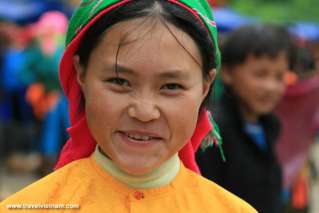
x: 279, y: 10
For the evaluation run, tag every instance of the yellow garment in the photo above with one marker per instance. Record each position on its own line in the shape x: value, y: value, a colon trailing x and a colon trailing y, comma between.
x: 159, y: 177
x: 84, y: 183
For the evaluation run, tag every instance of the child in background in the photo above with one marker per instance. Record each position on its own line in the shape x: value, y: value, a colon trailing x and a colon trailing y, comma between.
x: 254, y: 63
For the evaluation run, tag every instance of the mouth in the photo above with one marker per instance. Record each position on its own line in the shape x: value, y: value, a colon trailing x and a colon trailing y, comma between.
x: 268, y: 101
x: 139, y: 137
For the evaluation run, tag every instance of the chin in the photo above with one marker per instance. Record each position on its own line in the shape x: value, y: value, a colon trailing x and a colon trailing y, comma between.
x: 265, y: 111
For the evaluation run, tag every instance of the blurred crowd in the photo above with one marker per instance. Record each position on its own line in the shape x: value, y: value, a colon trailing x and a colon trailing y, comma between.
x: 34, y: 114
x: 33, y: 111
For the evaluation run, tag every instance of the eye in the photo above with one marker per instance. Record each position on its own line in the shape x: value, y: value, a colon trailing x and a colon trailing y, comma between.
x: 119, y: 81
x: 172, y: 86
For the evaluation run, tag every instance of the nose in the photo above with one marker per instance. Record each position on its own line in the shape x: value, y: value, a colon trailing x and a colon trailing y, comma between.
x: 144, y: 110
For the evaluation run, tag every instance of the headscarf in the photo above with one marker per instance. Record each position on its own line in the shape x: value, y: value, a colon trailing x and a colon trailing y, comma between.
x: 81, y: 143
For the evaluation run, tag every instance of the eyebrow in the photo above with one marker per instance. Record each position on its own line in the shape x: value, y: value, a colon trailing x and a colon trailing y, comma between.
x: 167, y: 74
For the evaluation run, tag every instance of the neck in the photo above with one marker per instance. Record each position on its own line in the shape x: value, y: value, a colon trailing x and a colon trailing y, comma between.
x: 249, y: 115
x: 158, y: 177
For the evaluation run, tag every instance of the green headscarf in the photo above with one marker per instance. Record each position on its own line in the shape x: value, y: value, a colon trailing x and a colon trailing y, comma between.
x: 90, y: 8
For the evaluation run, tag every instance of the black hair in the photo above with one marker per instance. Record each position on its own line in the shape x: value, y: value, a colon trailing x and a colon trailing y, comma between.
x: 166, y: 13
x: 257, y: 40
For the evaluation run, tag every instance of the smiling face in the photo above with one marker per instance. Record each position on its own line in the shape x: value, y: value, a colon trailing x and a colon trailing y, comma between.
x: 143, y: 98
x: 259, y: 83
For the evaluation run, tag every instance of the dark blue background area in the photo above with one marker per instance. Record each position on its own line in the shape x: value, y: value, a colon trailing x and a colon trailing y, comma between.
x: 28, y: 11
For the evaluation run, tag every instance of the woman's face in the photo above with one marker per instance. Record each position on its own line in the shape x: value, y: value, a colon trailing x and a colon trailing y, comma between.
x: 145, y: 112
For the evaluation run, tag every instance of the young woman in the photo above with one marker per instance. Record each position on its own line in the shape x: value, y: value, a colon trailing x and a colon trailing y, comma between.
x: 137, y: 75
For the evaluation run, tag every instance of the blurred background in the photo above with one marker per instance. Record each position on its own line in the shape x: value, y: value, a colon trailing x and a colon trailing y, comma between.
x: 33, y: 109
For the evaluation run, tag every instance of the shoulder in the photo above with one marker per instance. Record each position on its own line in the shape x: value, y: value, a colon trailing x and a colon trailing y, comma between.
x: 217, y: 198
x: 226, y: 113
x: 53, y: 188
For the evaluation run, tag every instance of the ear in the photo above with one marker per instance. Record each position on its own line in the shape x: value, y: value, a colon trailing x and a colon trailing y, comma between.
x: 208, y: 81
x: 80, y: 74
x: 226, y: 75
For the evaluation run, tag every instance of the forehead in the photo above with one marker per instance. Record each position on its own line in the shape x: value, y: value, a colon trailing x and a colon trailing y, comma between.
x: 148, y: 40
x: 280, y: 60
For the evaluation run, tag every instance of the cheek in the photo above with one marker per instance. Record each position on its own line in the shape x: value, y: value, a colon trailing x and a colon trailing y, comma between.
x: 280, y: 90
x: 182, y: 117
x: 103, y: 110
x: 98, y: 118
x: 244, y: 86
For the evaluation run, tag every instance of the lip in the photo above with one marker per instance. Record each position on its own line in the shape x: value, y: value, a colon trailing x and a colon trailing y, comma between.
x: 139, y: 144
x: 139, y: 132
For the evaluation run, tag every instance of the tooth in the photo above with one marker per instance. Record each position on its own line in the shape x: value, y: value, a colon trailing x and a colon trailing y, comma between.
x: 140, y: 137
x: 145, y: 138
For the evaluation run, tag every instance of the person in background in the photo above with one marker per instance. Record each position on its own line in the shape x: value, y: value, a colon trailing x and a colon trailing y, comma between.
x: 254, y: 62
x: 137, y: 75
x: 44, y: 92
x: 19, y: 128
